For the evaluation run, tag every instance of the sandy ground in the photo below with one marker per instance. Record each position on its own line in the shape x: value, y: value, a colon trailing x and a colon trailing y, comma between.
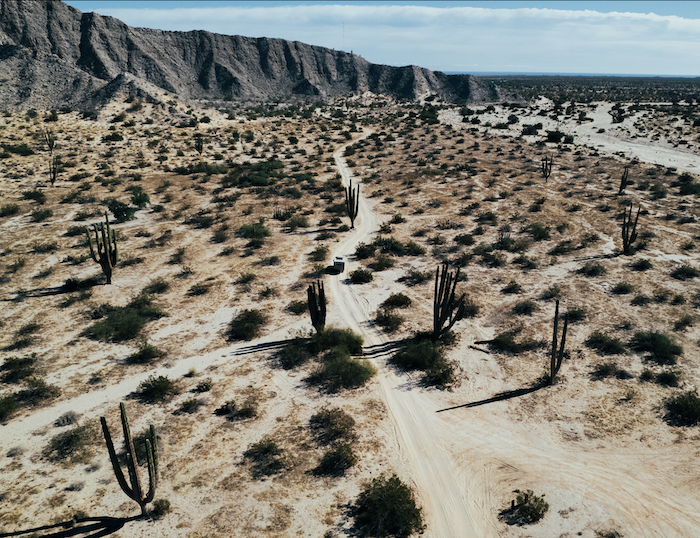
x: 605, y: 462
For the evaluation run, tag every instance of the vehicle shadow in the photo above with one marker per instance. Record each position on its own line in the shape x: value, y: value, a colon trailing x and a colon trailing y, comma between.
x: 90, y: 527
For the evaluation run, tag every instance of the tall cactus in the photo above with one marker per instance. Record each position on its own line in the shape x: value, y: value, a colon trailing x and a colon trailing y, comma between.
x: 53, y: 161
x: 547, y: 163
x: 199, y: 145
x: 447, y: 310
x: 557, y: 355
x: 134, y: 490
x: 352, y: 201
x: 624, y: 180
x: 106, y: 246
x: 629, y: 230
x: 317, y: 306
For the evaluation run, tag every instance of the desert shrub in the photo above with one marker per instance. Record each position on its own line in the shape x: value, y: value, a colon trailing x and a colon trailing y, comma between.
x: 331, y: 337
x: 466, y: 240
x: 198, y: 289
x: 15, y: 369
x: 331, y: 425
x: 189, y: 406
x: 414, y: 277
x: 160, y: 508
x: 40, y: 215
x: 641, y: 265
x: 428, y: 356
x: 293, y: 354
x: 538, y: 231
x: 382, y: 262
x: 553, y: 292
x: 246, y: 325
x: 158, y: 285
x: 592, y: 269
x: 640, y: 300
x: 684, y: 409
x: 386, y: 507
x: 319, y: 254
x: 505, y: 343
x: 361, y: 276
x: 529, y: 507
x: 622, y: 288
x: 126, y: 322
x: 121, y: 211
x: 38, y: 196
x: 575, y: 314
x: 525, y: 308
x: 604, y: 369
x: 661, y: 347
x: 668, y: 379
x: 564, y: 247
x: 297, y: 221
x: 397, y: 300
x: 297, y: 307
x: 253, y: 231
x: 339, y: 371
x: 204, y: 385
x: 9, y: 210
x: 66, y: 419
x: 685, y: 272
x: 684, y: 322
x: 157, y: 389
x: 336, y: 461
x: 8, y: 405
x: 146, y: 353
x: 647, y: 375
x: 267, y: 457
x: 71, y: 446
x: 388, y: 320
x: 512, y: 287
x: 605, y: 344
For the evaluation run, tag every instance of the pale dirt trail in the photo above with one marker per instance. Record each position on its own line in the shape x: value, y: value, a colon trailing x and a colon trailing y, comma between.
x: 445, y: 510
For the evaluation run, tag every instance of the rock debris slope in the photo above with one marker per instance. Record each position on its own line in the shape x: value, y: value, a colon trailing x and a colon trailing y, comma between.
x: 53, y: 55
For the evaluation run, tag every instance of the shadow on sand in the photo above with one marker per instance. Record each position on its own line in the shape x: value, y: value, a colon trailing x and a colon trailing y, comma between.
x: 507, y: 395
x: 90, y: 527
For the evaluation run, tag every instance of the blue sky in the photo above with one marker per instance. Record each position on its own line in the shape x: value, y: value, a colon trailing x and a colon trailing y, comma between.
x: 656, y: 38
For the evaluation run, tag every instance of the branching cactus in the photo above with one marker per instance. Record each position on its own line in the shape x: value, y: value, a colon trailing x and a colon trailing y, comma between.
x: 447, y: 309
x: 105, y: 251
x: 547, y: 163
x: 623, y: 180
x: 352, y: 201
x: 317, y: 306
x: 53, y: 161
x: 134, y: 490
x: 557, y: 356
x: 629, y: 230
x: 199, y: 145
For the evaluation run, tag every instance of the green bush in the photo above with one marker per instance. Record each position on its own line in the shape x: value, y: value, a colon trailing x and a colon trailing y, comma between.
x: 529, y: 507
x: 553, y: 292
x: 364, y: 251
x: 336, y: 461
x: 413, y: 249
x: 297, y: 221
x: 339, y: 371
x: 361, y: 276
x: 267, y: 457
x: 604, y: 369
x: 684, y: 322
x: 428, y: 356
x: 685, y: 272
x: 158, y: 285
x: 253, y: 231
x: 157, y: 389
x: 319, y: 254
x: 126, y: 322
x: 592, y: 269
x: 575, y: 314
x: 332, y: 424
x: 641, y: 265
x: 684, y: 409
x: 605, y: 344
x: 15, y: 369
x: 247, y: 325
x: 331, y: 337
x: 386, y: 507
x: 297, y: 307
x: 121, y: 211
x: 525, y: 308
x: 396, y: 300
x: 512, y: 287
x: 146, y: 353
x: 8, y: 405
x: 160, y: 508
x: 40, y: 215
x: 72, y: 445
x: 9, y: 210
x: 661, y: 347
x: 622, y: 288
x: 388, y: 320
x: 382, y: 262
x: 293, y: 354
x: 38, y: 196
x: 668, y: 379
x: 505, y: 343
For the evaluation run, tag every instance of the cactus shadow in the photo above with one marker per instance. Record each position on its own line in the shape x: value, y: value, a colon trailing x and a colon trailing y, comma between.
x: 89, y: 527
x: 501, y: 396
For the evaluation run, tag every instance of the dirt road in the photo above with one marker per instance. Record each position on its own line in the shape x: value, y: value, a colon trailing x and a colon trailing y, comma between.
x: 446, y: 512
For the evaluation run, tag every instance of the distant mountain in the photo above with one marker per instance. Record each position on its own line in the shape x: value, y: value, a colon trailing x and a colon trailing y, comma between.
x: 53, y: 55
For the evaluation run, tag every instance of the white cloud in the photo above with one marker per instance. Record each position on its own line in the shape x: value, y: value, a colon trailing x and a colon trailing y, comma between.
x: 460, y: 38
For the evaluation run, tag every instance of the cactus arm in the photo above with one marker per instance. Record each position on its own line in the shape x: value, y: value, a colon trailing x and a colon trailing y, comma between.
x: 89, y: 238
x: 131, y: 461
x: 446, y: 309
x: 115, y: 461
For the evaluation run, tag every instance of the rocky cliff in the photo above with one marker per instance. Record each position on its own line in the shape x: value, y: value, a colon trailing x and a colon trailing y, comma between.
x: 53, y: 55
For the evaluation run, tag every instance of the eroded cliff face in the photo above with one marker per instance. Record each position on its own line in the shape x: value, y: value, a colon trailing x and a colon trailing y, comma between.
x: 53, y: 55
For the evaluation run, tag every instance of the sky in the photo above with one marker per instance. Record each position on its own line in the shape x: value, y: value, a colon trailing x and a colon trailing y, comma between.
x: 633, y: 37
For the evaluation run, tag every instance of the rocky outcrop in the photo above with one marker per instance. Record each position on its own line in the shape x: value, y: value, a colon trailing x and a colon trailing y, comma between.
x: 53, y: 55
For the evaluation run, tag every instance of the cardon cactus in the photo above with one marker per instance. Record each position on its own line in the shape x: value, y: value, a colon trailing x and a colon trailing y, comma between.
x: 352, y: 201
x: 447, y: 309
x: 105, y: 251
x: 134, y: 490
x: 317, y: 306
